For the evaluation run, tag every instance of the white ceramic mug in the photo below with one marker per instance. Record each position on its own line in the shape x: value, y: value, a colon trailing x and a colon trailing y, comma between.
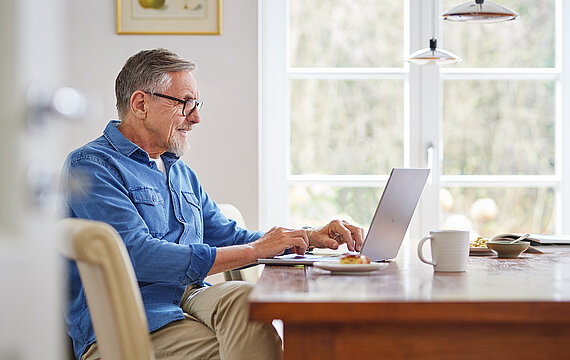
x: 449, y: 250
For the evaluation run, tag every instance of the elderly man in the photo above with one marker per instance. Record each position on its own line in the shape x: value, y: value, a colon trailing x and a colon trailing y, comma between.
x: 175, y: 234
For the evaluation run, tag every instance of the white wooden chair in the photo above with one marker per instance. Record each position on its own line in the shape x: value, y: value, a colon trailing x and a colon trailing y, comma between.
x: 112, y: 292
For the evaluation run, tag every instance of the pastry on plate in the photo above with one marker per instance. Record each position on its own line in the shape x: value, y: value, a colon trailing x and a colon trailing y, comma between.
x: 354, y: 259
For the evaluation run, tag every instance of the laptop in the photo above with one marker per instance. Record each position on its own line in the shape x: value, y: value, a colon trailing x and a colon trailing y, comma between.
x: 389, y: 224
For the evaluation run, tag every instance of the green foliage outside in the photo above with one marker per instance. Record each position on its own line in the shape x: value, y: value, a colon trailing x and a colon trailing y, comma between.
x: 341, y: 127
x: 501, y: 128
x: 353, y: 33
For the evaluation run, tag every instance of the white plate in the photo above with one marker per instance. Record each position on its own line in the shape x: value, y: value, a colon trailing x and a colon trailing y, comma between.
x: 349, y: 269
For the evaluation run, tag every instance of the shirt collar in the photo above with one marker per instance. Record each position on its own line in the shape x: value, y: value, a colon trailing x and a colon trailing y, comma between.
x: 124, y: 145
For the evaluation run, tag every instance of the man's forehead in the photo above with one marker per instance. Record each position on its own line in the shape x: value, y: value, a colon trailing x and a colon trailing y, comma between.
x: 183, y: 81
x: 182, y: 76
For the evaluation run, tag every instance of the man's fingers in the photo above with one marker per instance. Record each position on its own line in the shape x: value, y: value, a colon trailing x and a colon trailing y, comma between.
x: 288, y: 233
x: 300, y: 245
x: 277, y: 239
x: 352, y: 235
x: 343, y: 234
x: 302, y: 234
x: 299, y: 241
x: 357, y: 235
x: 331, y: 244
x: 335, y: 233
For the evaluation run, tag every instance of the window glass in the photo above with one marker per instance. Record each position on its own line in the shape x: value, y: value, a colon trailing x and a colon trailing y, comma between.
x: 319, y: 204
x: 346, y: 127
x: 498, y: 127
x: 528, y: 41
x: 493, y: 211
x: 347, y: 33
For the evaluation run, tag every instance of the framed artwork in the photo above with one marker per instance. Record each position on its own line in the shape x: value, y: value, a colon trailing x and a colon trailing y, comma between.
x: 200, y: 17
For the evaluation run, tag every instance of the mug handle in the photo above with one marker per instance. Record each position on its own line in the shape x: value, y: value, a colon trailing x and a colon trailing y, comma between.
x: 420, y: 252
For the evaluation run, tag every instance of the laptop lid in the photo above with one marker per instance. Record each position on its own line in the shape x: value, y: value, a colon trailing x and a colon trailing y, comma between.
x: 394, y: 213
x: 389, y: 223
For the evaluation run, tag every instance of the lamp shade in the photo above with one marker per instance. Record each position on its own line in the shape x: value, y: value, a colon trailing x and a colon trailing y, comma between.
x: 479, y: 11
x: 432, y: 55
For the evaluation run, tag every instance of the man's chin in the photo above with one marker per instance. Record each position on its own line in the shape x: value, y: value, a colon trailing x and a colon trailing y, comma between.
x: 179, y: 148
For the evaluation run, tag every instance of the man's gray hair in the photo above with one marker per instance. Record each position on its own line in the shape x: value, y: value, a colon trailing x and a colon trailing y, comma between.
x: 147, y: 70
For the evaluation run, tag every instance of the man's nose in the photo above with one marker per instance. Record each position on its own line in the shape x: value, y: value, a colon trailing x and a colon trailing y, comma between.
x: 194, y: 118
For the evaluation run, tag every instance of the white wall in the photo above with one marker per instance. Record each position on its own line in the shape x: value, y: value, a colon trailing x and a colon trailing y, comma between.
x: 224, y: 146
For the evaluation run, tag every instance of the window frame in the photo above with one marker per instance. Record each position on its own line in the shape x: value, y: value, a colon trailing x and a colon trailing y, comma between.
x: 422, y: 116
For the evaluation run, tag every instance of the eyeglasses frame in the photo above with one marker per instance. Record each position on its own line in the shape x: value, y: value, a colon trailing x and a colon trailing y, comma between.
x: 198, y: 103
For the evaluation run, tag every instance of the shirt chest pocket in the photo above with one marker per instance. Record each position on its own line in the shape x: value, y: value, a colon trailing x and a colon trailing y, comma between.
x: 191, y: 211
x: 150, y: 205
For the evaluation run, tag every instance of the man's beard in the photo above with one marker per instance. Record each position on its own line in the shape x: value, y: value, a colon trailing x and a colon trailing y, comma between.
x: 179, y: 145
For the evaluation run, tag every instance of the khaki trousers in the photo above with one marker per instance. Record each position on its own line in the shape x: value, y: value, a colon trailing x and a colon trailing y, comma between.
x: 216, y: 326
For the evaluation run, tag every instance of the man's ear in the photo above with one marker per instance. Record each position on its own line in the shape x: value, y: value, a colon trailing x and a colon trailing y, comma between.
x: 138, y: 104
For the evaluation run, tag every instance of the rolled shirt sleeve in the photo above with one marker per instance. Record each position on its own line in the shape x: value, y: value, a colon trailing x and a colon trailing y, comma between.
x: 203, y: 258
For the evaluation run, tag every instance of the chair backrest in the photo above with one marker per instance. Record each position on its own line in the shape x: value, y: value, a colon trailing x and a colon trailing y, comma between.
x: 249, y: 273
x: 110, y: 285
x: 232, y: 212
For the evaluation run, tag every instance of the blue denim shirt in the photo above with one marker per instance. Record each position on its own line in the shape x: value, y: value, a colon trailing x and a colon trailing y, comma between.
x: 170, y: 226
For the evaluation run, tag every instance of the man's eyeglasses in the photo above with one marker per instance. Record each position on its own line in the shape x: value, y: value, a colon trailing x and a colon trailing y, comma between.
x: 188, y: 106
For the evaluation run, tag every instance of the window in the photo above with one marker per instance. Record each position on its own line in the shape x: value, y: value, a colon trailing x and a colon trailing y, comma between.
x: 341, y: 107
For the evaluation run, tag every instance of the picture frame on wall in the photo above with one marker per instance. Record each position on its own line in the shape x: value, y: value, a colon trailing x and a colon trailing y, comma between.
x: 175, y: 17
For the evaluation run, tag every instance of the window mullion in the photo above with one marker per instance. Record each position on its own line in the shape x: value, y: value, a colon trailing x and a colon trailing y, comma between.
x: 274, y: 112
x: 563, y: 114
x: 424, y: 125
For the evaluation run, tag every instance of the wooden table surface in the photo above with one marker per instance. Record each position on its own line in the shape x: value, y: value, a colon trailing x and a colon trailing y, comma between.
x: 497, y: 309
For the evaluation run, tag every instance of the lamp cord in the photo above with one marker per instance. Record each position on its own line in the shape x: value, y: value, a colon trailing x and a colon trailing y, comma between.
x: 433, y: 19
x: 432, y: 41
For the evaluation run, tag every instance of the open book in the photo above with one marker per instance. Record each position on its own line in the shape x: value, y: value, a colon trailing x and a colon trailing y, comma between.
x: 536, y: 239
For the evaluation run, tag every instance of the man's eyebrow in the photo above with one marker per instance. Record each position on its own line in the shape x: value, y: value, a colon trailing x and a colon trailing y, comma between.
x: 189, y: 97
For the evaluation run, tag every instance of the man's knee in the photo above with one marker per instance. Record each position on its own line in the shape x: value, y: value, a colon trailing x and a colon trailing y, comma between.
x: 235, y: 295
x: 239, y: 288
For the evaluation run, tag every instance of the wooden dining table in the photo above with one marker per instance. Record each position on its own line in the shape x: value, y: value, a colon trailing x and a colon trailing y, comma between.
x: 497, y: 309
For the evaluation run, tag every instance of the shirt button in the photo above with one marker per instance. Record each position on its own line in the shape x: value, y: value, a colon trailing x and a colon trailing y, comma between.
x: 176, y: 302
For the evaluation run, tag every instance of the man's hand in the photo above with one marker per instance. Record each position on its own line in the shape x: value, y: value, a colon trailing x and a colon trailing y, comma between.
x: 278, y: 239
x: 336, y: 233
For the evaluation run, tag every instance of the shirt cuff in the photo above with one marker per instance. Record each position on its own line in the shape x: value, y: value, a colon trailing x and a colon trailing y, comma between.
x: 202, y: 260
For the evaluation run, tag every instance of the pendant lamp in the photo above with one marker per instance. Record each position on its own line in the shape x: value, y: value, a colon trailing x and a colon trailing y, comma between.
x: 433, y: 55
x: 479, y: 11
